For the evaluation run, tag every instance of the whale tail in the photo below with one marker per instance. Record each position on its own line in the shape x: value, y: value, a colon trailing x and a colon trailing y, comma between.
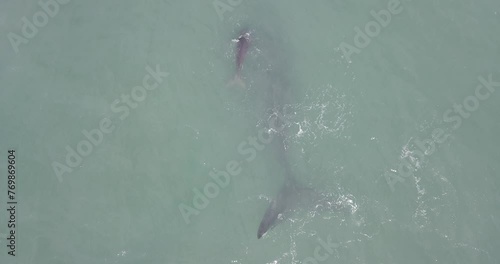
x: 289, y: 195
x: 236, y: 81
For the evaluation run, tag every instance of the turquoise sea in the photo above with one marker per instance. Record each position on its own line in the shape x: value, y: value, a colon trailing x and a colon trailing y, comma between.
x: 123, y: 138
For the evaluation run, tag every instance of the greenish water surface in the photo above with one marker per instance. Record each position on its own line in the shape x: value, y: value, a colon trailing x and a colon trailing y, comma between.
x: 394, y: 128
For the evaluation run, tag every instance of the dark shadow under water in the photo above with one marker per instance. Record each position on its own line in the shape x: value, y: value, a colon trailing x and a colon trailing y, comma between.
x: 273, y: 87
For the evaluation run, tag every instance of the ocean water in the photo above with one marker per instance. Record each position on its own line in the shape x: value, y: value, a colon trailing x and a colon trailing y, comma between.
x: 119, y: 114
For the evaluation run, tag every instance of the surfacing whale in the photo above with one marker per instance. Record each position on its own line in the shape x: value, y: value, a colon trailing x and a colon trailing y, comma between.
x: 271, y: 79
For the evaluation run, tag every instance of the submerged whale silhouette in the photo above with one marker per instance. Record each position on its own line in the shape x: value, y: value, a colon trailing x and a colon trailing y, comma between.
x: 272, y: 74
x: 270, y: 79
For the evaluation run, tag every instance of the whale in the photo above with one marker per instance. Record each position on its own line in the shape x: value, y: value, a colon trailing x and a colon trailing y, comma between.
x: 271, y: 78
x: 264, y: 51
x: 242, y: 47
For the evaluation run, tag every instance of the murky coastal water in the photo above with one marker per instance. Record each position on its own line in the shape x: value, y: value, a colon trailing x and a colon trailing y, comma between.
x: 131, y: 147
